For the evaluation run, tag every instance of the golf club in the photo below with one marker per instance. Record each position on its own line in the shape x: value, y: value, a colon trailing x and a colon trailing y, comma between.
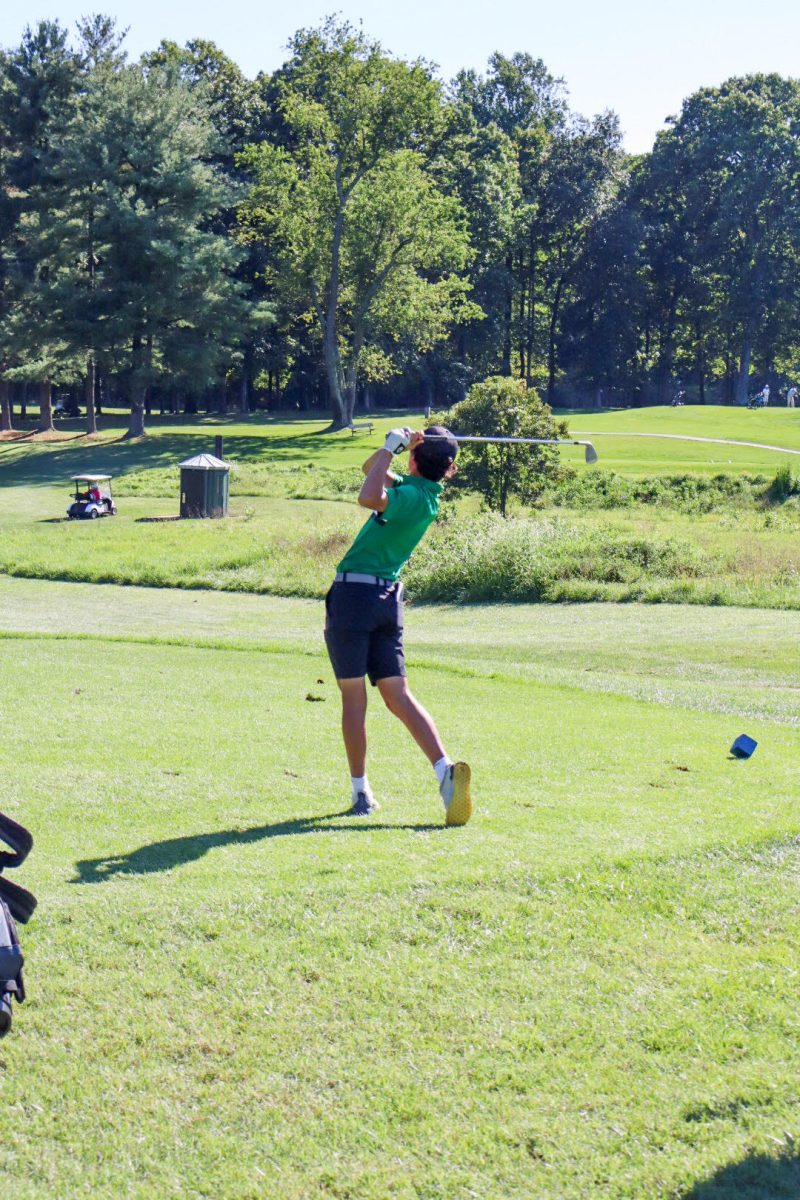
x: 591, y: 453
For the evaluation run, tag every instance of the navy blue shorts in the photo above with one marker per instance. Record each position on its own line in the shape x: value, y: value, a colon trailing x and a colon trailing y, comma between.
x: 364, y: 630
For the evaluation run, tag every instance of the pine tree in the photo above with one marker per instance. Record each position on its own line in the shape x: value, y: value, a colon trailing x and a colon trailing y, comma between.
x: 137, y: 281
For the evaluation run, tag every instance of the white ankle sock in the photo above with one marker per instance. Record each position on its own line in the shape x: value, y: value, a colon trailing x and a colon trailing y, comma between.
x: 440, y: 767
x: 360, y: 784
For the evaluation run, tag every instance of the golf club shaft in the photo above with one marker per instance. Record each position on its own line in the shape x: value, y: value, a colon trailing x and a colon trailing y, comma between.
x: 591, y: 453
x: 517, y: 441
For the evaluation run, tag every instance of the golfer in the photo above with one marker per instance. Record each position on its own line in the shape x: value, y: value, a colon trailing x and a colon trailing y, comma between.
x: 364, y: 611
x: 791, y: 396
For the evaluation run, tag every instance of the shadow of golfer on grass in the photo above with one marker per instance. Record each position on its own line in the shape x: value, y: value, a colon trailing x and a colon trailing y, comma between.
x: 756, y: 1177
x: 173, y: 852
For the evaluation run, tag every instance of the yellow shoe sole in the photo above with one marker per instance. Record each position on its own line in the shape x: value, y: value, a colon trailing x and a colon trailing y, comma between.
x: 459, y: 810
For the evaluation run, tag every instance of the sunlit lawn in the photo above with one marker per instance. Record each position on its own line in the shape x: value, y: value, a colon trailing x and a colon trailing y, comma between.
x: 236, y: 991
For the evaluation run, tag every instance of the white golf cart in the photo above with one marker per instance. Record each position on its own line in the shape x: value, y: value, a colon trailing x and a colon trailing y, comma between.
x: 93, y: 498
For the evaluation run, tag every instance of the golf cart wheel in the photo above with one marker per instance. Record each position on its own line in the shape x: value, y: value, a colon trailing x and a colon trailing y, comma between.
x: 113, y: 510
x: 93, y: 514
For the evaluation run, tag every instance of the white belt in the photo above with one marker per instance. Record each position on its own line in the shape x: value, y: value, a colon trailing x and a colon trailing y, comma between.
x: 357, y: 577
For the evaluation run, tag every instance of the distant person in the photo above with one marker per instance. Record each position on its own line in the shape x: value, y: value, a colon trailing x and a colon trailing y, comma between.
x: 791, y: 396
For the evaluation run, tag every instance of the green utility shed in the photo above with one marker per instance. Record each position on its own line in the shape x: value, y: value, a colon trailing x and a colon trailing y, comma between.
x: 205, y: 484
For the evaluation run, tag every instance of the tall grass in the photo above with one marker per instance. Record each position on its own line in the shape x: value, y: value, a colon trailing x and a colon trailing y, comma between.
x: 685, y: 493
x: 489, y: 558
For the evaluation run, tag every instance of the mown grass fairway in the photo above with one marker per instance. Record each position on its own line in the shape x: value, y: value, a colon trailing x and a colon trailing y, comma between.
x: 645, y: 454
x: 236, y: 991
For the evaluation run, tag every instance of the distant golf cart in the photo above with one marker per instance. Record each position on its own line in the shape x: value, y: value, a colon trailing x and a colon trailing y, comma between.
x: 66, y: 408
x: 93, y: 498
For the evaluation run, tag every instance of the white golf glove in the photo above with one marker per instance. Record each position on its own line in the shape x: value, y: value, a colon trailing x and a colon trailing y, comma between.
x: 397, y: 440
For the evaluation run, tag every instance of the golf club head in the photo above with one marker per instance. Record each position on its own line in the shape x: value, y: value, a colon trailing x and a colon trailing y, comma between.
x: 591, y: 453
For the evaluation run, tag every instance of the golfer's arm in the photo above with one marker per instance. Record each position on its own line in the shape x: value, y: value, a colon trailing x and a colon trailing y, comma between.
x: 373, y: 489
x: 370, y: 463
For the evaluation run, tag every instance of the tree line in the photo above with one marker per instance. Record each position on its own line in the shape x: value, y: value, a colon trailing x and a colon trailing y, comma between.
x: 351, y: 230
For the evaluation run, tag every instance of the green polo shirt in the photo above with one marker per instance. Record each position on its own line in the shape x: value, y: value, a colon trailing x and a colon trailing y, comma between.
x: 386, y: 541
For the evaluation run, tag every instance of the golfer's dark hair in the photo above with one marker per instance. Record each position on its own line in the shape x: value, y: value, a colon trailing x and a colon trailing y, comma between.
x: 434, y: 455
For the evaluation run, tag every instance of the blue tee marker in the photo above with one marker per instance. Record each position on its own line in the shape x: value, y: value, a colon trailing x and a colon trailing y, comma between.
x: 743, y: 747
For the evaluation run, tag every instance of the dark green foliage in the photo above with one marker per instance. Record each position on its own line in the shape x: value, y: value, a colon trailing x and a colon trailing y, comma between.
x: 783, y: 485
x: 402, y: 239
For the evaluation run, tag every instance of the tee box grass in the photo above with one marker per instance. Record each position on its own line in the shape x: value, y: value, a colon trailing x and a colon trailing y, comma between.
x: 237, y: 991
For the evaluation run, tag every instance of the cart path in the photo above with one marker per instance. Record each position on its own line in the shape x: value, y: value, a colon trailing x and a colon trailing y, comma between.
x: 685, y: 437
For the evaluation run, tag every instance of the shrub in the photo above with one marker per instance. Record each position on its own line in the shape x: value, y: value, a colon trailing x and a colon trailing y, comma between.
x: 505, y: 407
x: 783, y: 485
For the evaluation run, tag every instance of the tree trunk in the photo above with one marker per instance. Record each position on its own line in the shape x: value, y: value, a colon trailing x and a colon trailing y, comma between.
x: 505, y: 367
x: 45, y: 407
x: 351, y: 380
x: 148, y: 393
x: 138, y: 391
x: 333, y: 373
x: 743, y: 374
x: 6, y: 422
x: 333, y: 366
x: 136, y: 423
x: 531, y: 328
x: 244, y: 391
x: 551, y: 341
x: 88, y: 395
x: 524, y: 370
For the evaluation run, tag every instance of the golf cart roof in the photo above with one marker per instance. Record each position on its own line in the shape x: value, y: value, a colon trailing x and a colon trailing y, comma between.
x: 90, y: 478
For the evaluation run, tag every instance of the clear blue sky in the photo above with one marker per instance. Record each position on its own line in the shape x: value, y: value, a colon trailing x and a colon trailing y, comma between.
x: 636, y: 57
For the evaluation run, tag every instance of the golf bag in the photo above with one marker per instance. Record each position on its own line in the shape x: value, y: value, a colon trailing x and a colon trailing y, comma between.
x: 16, y: 904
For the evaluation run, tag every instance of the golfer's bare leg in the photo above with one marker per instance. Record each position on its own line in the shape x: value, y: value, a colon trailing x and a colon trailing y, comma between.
x: 354, y: 723
x: 417, y: 720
